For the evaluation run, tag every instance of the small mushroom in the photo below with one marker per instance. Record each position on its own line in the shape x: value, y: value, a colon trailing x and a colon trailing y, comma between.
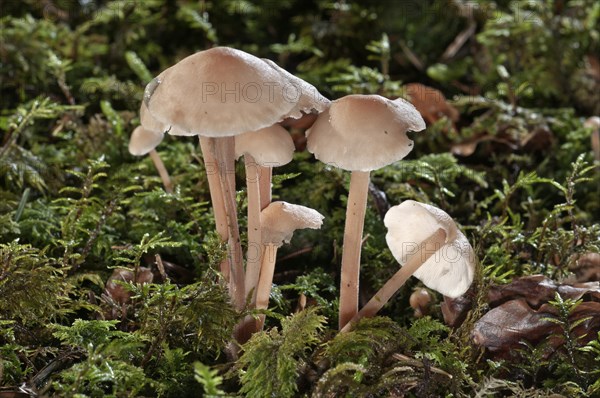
x: 451, y: 271
x: 428, y: 244
x: 279, y: 220
x: 145, y: 139
x: 262, y: 149
x: 420, y: 301
x: 360, y: 133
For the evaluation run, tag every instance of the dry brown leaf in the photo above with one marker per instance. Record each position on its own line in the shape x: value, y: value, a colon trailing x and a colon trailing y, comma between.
x: 504, y: 328
x: 587, y: 267
x: 539, y: 139
x: 455, y: 310
x: 535, y: 290
x: 297, y: 128
x: 538, y: 289
x: 116, y: 291
x: 431, y: 103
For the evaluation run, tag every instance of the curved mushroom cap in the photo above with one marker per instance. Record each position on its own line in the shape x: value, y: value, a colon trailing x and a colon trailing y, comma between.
x: 150, y: 123
x: 143, y: 141
x: 279, y: 220
x: 450, y: 270
x: 364, y: 132
x: 270, y: 147
x: 304, y: 94
x: 219, y: 92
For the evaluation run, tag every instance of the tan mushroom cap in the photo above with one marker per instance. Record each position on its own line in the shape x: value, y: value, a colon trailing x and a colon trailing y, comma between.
x: 270, y: 147
x: 151, y: 133
x: 150, y: 123
x: 364, y: 132
x: 279, y: 220
x: 450, y: 270
x: 306, y: 96
x: 219, y: 92
x: 143, y: 141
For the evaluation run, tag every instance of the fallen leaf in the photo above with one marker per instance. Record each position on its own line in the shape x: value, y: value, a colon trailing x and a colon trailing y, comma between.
x: 504, y: 328
x: 455, y: 310
x: 539, y: 139
x: 431, y: 103
x: 116, y: 291
x: 587, y: 267
x: 538, y: 289
x: 535, y: 290
x: 298, y: 127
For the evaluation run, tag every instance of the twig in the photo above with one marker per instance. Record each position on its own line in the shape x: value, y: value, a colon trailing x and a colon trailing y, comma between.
x: 412, y: 57
x: 297, y: 253
x: 459, y: 41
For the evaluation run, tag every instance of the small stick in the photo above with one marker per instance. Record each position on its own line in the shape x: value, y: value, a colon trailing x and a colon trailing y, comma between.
x: 161, y: 267
x: 437, y: 239
x: 297, y: 253
x: 355, y: 219
x: 162, y: 170
x: 415, y: 362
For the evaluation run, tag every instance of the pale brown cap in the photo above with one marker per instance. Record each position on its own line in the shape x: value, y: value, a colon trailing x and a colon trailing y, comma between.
x: 270, y: 147
x: 279, y: 220
x: 219, y: 92
x: 451, y: 268
x: 306, y: 96
x: 143, y: 141
x: 364, y: 132
x: 151, y: 133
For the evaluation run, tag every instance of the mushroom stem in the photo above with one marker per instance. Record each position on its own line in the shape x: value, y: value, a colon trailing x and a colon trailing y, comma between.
x: 225, y: 155
x: 379, y: 299
x: 263, y: 290
x: 253, y: 254
x: 264, y: 182
x: 355, y: 219
x: 162, y: 170
x: 216, y: 196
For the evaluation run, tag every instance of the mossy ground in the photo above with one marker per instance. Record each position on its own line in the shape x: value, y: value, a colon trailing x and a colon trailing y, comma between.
x: 516, y: 170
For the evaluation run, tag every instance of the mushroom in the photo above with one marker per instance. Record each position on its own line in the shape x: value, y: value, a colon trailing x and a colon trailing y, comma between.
x: 278, y: 221
x: 428, y: 244
x: 262, y: 149
x: 360, y: 133
x: 420, y: 301
x: 145, y: 139
x: 219, y: 93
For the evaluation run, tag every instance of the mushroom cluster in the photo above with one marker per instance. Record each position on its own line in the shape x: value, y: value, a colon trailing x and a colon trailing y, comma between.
x: 237, y: 105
